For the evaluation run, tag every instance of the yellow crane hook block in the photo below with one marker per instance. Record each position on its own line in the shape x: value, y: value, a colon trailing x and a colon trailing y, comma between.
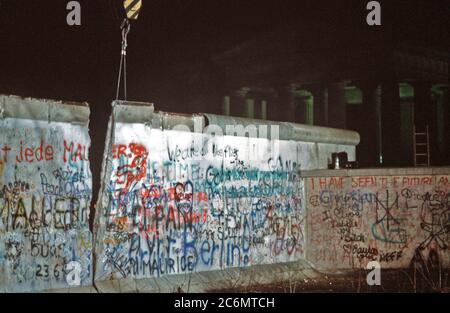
x: 132, y: 8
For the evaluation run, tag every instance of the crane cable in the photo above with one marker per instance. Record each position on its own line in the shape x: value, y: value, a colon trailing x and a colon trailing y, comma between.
x: 123, y: 59
x: 132, y: 9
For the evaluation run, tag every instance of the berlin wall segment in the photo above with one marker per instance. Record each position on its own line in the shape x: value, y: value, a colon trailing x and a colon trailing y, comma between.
x: 171, y: 206
x: 394, y: 220
x: 45, y: 195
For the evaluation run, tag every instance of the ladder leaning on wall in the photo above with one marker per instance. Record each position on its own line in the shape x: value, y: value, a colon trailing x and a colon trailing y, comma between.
x: 421, y: 142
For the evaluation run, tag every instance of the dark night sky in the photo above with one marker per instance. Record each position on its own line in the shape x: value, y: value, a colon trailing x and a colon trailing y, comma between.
x: 41, y: 56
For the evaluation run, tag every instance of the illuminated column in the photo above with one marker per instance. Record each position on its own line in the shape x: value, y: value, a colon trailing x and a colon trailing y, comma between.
x: 264, y: 109
x: 226, y: 105
x: 250, y: 108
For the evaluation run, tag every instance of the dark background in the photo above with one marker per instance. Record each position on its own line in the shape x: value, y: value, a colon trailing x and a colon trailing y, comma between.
x: 41, y: 56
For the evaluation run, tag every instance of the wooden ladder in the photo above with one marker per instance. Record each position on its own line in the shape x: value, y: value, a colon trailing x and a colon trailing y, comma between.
x: 421, y: 141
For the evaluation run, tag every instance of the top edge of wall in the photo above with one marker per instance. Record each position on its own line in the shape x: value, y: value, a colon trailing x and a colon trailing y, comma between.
x: 132, y: 111
x: 142, y: 112
x: 382, y: 171
x: 179, y: 121
x: 291, y: 131
x: 12, y: 106
x: 126, y: 103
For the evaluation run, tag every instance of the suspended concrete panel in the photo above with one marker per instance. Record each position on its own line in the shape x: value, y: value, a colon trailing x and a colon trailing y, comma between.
x: 180, y: 197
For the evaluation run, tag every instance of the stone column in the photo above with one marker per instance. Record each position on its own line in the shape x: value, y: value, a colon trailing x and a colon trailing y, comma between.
x: 336, y: 105
x: 250, y: 108
x: 263, y: 109
x: 390, y: 124
x: 368, y: 150
x: 226, y: 105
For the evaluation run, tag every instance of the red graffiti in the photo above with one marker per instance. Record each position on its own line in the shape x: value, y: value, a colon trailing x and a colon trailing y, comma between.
x: 44, y: 152
x: 4, y: 153
x: 75, y: 152
x: 136, y: 170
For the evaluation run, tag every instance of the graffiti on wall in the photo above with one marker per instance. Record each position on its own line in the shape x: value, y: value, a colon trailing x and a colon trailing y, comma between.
x: 45, y: 194
x: 389, y: 219
x: 171, y: 207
